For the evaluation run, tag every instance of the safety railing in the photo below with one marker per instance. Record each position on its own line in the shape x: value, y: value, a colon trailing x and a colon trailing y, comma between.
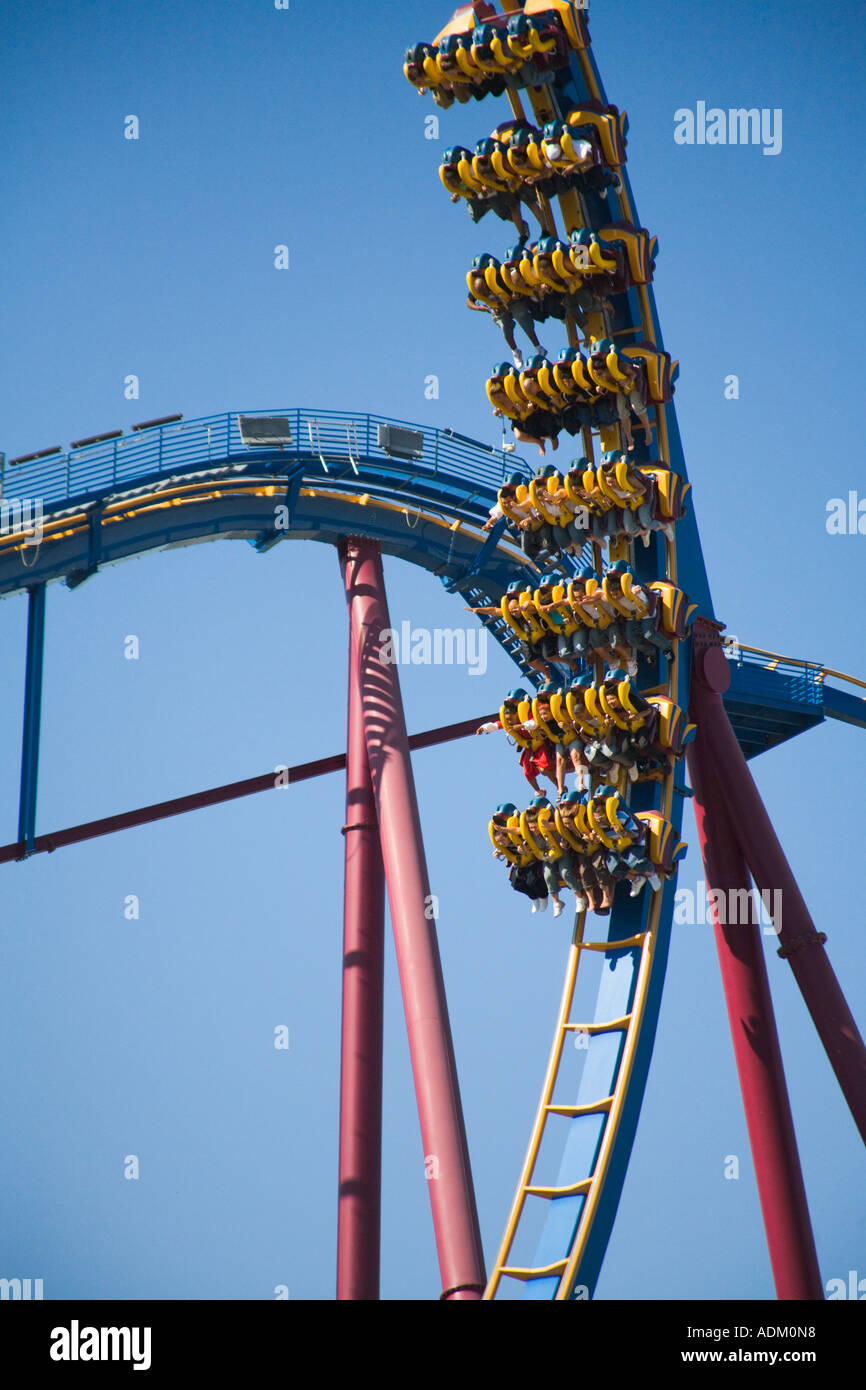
x: 337, y: 441
x: 804, y: 680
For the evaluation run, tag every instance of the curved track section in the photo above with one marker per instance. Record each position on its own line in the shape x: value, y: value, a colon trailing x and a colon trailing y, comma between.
x: 600, y: 1121
x: 422, y: 493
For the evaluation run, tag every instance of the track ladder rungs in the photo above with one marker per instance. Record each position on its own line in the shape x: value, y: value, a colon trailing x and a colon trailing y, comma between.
x: 597, y: 1107
x: 575, y: 1189
x: 613, y: 1025
x: 545, y: 1272
x: 624, y: 945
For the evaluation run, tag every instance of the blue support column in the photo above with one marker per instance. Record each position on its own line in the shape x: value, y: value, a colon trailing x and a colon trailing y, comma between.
x: 32, y: 716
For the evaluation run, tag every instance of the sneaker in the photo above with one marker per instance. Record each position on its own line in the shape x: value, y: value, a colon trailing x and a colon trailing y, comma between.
x: 635, y: 888
x: 581, y: 902
x: 558, y: 907
x: 542, y: 904
x: 534, y: 906
x: 654, y: 882
x: 517, y: 358
x: 541, y: 350
x: 632, y: 772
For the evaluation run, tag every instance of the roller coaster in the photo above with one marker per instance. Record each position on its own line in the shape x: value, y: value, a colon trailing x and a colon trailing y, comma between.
x: 562, y: 569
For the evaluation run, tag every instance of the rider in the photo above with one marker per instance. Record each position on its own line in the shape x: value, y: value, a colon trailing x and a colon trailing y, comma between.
x: 504, y: 314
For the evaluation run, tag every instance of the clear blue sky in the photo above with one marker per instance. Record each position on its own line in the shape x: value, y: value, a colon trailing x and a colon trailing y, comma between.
x: 154, y: 1037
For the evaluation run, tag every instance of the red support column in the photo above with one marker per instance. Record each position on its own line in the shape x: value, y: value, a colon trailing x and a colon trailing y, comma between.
x: 360, y: 1180
x: 800, y: 943
x: 446, y: 1153
x: 753, y: 1028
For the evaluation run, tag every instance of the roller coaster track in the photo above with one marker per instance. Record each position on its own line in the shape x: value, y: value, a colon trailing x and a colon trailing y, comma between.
x: 601, y: 1120
x: 183, y: 482
x: 423, y: 495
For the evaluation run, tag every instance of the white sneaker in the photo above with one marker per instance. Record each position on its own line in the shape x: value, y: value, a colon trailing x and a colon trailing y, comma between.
x: 581, y: 902
x: 558, y: 907
x: 635, y: 888
x: 542, y: 350
x: 655, y: 882
x: 517, y: 358
x: 534, y: 906
x: 632, y: 772
x: 542, y: 904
